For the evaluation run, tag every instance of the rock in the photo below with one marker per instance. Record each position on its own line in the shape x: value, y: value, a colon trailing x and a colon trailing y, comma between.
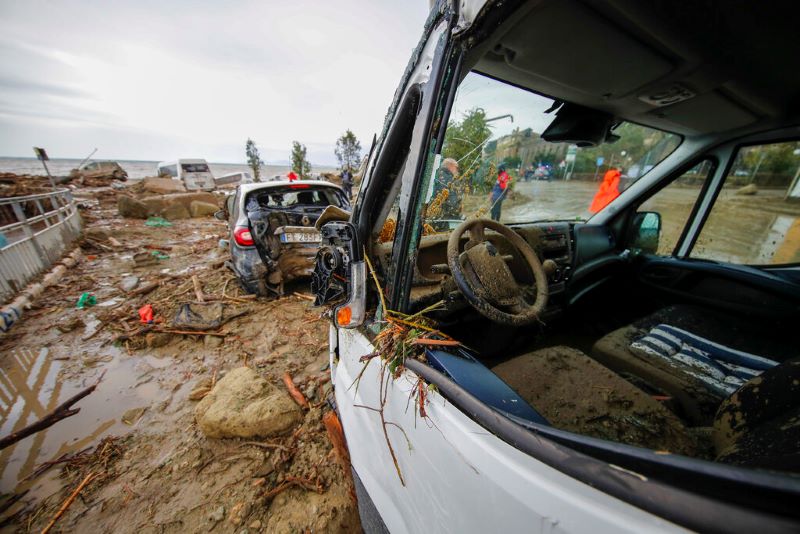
x: 202, y: 209
x: 129, y: 283
x: 154, y: 340
x: 255, y: 525
x: 212, y: 342
x: 239, y: 513
x: 162, y: 186
x: 175, y: 211
x: 132, y: 208
x: 96, y: 233
x: 200, y: 390
x: 749, y: 189
x: 243, y: 404
x: 131, y: 416
x: 158, y: 204
x: 217, y: 515
x: 70, y: 324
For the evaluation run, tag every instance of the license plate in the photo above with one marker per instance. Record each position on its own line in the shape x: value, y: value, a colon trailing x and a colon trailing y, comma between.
x: 300, y: 237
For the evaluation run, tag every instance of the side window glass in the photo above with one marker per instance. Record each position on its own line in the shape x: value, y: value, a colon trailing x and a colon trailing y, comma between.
x: 674, y: 205
x: 755, y: 220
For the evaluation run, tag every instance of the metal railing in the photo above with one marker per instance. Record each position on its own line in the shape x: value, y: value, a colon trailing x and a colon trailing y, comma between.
x: 37, y: 229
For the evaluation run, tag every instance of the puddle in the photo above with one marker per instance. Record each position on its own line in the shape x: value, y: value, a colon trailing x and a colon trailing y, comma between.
x: 30, y: 388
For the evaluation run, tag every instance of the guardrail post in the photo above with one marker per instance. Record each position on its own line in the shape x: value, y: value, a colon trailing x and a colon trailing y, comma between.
x: 54, y: 202
x: 27, y: 229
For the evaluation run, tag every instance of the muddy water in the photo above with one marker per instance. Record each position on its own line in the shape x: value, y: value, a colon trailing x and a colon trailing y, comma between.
x: 31, y: 386
x: 759, y: 229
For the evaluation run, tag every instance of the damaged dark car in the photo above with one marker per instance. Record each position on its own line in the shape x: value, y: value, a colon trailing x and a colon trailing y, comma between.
x: 272, y: 235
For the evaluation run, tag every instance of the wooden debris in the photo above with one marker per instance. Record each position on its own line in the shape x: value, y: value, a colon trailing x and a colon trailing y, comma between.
x: 147, y: 288
x: 296, y: 394
x: 61, y: 412
x: 69, y: 501
x: 336, y: 434
x: 198, y: 291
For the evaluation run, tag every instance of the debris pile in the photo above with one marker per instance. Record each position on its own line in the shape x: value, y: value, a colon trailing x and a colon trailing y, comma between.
x: 205, y: 359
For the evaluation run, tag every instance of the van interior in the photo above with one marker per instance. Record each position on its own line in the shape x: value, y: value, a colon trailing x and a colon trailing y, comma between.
x: 684, y: 346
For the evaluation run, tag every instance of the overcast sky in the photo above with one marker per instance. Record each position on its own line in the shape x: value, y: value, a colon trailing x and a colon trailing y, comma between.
x: 156, y: 80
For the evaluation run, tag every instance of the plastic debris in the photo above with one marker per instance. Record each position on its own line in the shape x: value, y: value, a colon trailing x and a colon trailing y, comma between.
x: 157, y: 222
x: 157, y: 254
x: 146, y: 314
x: 86, y: 300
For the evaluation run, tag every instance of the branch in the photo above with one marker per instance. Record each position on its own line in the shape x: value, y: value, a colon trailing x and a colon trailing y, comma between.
x: 61, y: 412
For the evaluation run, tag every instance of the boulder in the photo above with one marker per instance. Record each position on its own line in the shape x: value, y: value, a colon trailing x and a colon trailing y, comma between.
x: 162, y: 204
x: 175, y: 211
x: 162, y: 186
x: 242, y: 404
x: 202, y: 209
x: 749, y: 189
x: 132, y: 208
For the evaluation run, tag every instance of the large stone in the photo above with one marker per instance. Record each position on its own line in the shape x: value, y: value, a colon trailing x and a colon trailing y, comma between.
x: 162, y: 186
x: 749, y: 189
x: 132, y: 208
x: 242, y: 404
x: 175, y: 211
x: 202, y: 209
x: 160, y: 204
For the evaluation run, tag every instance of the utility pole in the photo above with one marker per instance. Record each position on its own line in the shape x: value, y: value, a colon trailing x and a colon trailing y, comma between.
x: 41, y: 154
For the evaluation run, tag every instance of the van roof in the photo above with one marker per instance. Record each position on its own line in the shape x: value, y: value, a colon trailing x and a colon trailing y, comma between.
x: 185, y: 160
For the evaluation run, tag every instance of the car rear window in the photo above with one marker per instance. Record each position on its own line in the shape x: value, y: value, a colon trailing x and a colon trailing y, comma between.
x: 289, y: 198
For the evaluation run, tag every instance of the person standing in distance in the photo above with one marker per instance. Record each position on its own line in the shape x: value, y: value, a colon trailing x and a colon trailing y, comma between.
x: 499, y: 192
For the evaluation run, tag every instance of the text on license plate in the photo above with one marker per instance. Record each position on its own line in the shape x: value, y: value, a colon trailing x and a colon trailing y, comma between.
x: 300, y: 237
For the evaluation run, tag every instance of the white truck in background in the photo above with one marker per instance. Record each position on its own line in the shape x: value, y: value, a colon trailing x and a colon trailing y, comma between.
x: 193, y: 173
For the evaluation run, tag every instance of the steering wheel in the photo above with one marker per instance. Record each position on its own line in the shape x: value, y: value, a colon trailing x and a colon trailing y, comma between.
x: 484, y: 278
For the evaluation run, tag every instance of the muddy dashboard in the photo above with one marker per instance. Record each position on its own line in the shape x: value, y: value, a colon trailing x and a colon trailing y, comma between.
x: 551, y: 241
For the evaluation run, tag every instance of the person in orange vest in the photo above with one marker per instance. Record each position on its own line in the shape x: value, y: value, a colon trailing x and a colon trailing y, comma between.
x: 499, y: 192
x: 292, y: 176
x: 609, y: 190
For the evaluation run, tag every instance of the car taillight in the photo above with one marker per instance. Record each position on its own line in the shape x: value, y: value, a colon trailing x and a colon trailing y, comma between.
x: 243, y: 237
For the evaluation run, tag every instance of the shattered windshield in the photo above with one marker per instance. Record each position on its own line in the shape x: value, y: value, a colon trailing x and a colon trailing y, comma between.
x: 495, y: 164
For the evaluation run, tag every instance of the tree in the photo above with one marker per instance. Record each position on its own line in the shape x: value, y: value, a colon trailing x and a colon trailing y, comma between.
x: 253, y: 159
x: 300, y: 164
x: 348, y: 151
x: 464, y: 140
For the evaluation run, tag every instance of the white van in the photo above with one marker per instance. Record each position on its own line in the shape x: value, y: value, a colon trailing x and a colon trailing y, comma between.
x: 234, y: 178
x: 194, y: 173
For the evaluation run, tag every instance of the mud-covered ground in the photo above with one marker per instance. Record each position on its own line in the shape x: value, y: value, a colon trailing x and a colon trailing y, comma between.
x: 135, y: 445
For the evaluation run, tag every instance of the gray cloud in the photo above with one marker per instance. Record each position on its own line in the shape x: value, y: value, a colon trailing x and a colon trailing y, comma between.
x: 193, y: 78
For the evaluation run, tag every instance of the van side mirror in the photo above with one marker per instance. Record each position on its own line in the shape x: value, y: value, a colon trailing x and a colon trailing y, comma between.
x: 645, y: 232
x: 340, y: 274
x: 220, y: 215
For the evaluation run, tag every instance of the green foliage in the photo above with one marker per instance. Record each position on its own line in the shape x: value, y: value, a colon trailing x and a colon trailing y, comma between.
x: 348, y: 151
x: 640, y: 145
x: 463, y: 139
x: 253, y: 159
x: 774, y: 159
x: 300, y: 164
x: 512, y: 162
